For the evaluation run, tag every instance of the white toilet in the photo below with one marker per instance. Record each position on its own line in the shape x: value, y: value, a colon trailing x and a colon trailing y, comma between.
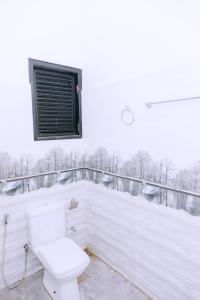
x: 62, y: 258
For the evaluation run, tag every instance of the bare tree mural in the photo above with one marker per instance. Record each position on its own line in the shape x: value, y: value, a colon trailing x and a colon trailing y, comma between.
x: 5, y: 165
x: 26, y: 168
x: 140, y: 166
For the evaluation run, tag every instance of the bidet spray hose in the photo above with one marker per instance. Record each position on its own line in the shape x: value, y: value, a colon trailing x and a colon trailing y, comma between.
x: 26, y: 249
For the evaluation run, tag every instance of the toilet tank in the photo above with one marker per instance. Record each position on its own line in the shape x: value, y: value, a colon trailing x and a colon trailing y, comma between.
x: 46, y: 224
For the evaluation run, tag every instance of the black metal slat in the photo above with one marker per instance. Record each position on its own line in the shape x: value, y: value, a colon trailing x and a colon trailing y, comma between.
x: 50, y: 105
x: 54, y: 98
x: 62, y: 88
x: 51, y: 93
x: 56, y: 134
x: 49, y: 119
x: 60, y: 118
x: 52, y: 87
x: 56, y: 84
x: 51, y: 108
x: 48, y: 111
x: 53, y: 81
x: 49, y: 77
x: 55, y: 111
x: 45, y: 119
x: 54, y: 124
x: 57, y: 114
x: 62, y: 125
x: 53, y: 73
x: 57, y: 129
x: 55, y: 102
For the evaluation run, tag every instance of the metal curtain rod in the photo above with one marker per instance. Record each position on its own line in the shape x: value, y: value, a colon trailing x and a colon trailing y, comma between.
x: 149, y: 104
x: 108, y: 173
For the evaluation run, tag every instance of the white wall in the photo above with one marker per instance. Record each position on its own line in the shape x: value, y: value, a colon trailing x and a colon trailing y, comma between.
x: 45, y: 30
x: 131, y: 52
x: 142, y: 51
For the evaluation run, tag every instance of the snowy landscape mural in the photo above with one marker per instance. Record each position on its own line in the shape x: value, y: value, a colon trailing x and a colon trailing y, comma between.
x: 140, y: 166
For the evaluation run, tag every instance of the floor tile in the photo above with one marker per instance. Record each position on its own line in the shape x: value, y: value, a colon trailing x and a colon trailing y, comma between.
x: 82, y: 278
x: 96, y: 265
x: 98, y: 282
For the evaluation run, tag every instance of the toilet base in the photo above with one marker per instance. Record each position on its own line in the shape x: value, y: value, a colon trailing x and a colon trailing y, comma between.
x: 68, y: 290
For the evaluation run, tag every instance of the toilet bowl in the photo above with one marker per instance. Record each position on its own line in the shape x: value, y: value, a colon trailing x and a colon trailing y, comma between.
x: 63, y: 260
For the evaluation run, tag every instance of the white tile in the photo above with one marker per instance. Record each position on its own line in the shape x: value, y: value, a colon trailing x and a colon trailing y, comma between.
x: 109, y: 285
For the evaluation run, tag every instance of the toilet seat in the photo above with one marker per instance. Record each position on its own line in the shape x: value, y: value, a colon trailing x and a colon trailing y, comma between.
x: 63, y: 258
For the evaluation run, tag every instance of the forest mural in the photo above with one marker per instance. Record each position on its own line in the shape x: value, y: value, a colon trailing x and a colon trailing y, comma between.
x: 140, y: 166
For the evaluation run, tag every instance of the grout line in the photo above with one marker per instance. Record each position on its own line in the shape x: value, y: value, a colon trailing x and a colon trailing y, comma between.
x: 104, y: 267
x: 84, y: 279
x: 92, y: 253
x: 98, y: 271
x: 45, y: 289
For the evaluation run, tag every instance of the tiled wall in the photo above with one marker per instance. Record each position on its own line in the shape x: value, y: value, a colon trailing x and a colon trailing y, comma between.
x: 155, y: 247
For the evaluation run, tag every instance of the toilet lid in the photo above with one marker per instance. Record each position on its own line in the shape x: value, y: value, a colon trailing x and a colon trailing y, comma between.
x: 62, y: 256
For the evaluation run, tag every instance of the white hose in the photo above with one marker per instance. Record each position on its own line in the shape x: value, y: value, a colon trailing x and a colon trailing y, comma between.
x: 18, y: 283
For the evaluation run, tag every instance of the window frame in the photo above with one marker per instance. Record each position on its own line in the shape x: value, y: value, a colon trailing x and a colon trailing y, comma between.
x: 34, y: 63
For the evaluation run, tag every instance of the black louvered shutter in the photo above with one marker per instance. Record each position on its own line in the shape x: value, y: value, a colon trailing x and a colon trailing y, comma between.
x: 56, y: 103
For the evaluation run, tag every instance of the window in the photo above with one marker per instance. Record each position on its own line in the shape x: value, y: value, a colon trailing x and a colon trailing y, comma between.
x: 56, y: 98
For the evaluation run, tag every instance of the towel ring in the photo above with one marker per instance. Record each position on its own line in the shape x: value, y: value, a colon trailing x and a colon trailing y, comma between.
x: 127, y: 116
